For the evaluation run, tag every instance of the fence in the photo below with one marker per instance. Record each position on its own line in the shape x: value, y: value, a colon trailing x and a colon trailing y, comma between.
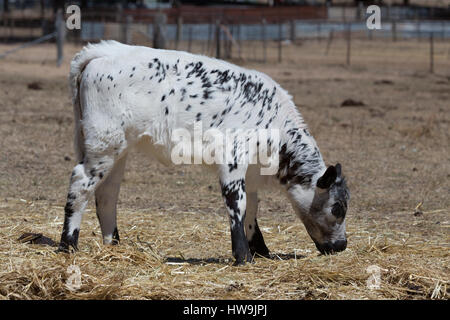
x: 292, y: 30
x: 58, y: 35
x: 251, y: 41
x: 250, y: 35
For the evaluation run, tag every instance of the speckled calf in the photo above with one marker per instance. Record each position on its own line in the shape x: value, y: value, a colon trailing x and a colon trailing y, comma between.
x: 126, y: 96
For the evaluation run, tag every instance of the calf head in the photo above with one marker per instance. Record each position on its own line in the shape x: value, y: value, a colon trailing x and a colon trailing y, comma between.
x: 322, y: 208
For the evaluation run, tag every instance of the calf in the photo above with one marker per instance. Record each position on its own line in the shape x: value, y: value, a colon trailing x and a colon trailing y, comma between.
x: 125, y: 96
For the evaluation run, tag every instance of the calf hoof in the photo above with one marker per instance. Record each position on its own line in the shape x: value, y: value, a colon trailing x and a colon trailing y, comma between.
x: 112, y: 239
x: 64, y: 248
x: 258, y: 247
x: 260, y: 252
x: 240, y: 261
x: 68, y: 241
x: 116, y: 238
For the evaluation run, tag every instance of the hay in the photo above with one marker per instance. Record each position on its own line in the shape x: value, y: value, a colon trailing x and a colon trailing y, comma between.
x: 187, y: 256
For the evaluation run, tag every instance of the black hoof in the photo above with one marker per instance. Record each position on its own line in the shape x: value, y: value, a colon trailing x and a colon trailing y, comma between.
x: 240, y: 261
x: 116, y: 239
x: 258, y: 254
x: 257, y: 246
x: 64, y: 248
x: 259, y: 249
x: 68, y: 241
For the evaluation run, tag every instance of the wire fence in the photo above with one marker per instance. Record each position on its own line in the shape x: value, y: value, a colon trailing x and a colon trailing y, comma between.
x: 259, y: 38
x: 263, y: 41
x: 292, y: 30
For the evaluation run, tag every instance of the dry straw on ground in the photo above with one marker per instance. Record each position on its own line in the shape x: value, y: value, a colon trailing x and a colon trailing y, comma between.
x: 153, y: 262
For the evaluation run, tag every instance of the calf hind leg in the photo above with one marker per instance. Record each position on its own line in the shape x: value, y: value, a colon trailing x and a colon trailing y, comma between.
x: 253, y: 234
x: 106, y: 202
x: 85, y: 178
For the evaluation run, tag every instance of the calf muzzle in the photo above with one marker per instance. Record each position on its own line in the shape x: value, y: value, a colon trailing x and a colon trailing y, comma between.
x: 331, y: 247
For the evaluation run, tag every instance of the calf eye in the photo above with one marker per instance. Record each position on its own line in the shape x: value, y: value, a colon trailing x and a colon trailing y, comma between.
x: 338, y: 210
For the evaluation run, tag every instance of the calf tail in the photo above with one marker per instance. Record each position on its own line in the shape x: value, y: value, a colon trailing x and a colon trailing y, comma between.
x: 78, y: 134
x: 77, y: 66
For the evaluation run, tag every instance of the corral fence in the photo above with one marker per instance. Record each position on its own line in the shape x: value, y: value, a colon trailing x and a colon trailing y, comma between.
x: 225, y: 38
x: 55, y: 32
x: 250, y: 33
x: 256, y: 35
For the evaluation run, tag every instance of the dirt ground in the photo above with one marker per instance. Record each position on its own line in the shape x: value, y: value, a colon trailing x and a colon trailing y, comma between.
x: 175, y: 239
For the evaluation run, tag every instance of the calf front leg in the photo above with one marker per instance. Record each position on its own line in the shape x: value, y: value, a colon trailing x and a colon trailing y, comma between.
x: 233, y: 192
x: 254, y: 235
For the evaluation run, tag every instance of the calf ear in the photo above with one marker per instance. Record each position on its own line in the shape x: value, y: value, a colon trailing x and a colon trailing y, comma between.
x: 328, y: 178
x: 338, y: 170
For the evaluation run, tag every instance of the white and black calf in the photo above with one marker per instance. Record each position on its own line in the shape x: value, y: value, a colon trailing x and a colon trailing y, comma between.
x: 126, y: 96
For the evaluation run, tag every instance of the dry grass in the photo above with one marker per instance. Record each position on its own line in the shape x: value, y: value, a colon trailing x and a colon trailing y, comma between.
x: 172, y: 256
x: 174, y: 230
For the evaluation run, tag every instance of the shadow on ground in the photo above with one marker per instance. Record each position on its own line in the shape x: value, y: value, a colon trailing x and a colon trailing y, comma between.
x: 226, y: 261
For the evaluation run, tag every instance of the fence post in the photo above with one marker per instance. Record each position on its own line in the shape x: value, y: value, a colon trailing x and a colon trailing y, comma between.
x: 394, y: 31
x: 126, y: 29
x: 264, y: 40
x: 292, y: 31
x: 218, y: 39
x: 361, y: 12
x: 230, y: 42
x: 190, y: 38
x: 280, y: 41
x: 119, y: 13
x: 210, y: 33
x: 226, y: 44
x: 349, y: 40
x: 330, y: 40
x: 43, y: 22
x: 159, y: 36
x: 319, y: 29
x: 239, y: 40
x: 431, y: 53
x: 60, y: 35
x: 418, y: 30
x: 179, y: 30
x: 12, y: 26
x: 5, y: 23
